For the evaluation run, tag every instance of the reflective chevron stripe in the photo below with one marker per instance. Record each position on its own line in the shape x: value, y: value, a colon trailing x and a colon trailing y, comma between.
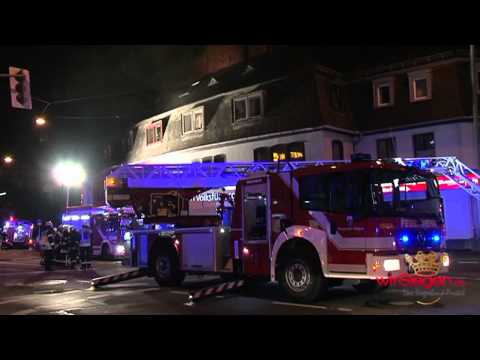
x: 217, y: 289
x: 105, y: 280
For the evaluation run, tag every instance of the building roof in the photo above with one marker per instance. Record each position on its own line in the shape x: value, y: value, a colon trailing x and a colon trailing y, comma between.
x: 244, y: 74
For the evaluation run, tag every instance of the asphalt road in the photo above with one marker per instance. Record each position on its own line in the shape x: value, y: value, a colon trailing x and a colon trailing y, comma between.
x: 25, y: 289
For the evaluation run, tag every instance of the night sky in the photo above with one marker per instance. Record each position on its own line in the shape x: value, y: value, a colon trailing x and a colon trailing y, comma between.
x: 121, y: 83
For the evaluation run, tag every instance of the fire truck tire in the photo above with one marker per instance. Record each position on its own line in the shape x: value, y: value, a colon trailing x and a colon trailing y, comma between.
x: 166, y: 268
x: 301, y: 278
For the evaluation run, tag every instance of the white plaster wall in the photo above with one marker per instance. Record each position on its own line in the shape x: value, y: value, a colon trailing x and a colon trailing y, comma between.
x: 317, y: 147
x: 450, y: 140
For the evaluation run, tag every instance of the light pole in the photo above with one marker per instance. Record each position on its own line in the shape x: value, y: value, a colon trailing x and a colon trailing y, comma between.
x: 474, y: 78
x: 69, y: 174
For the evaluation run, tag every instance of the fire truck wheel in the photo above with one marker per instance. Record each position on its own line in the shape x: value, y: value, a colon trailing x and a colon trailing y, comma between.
x: 302, y: 279
x: 166, y: 269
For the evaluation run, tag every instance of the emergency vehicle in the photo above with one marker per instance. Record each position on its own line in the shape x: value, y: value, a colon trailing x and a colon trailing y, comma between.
x: 107, y: 224
x: 306, y: 225
x: 17, y: 233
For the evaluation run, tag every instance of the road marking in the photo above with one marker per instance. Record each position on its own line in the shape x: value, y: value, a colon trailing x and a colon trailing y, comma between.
x: 344, y: 309
x: 468, y: 262
x: 220, y: 296
x: 300, y: 305
x: 179, y: 292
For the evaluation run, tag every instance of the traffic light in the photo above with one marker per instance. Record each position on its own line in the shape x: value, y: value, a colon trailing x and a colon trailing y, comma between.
x: 20, y: 88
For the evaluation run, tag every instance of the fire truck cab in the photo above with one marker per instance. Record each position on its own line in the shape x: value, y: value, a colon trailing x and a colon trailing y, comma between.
x: 308, y: 227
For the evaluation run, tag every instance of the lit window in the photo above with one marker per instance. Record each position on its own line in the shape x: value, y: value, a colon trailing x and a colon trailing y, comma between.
x: 154, y: 132
x: 247, y: 107
x: 383, y: 92
x: 420, y: 85
x: 279, y: 152
x: 296, y: 151
x: 192, y: 121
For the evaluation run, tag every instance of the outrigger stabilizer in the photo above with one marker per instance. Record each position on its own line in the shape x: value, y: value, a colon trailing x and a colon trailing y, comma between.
x: 111, y: 279
x: 213, y: 290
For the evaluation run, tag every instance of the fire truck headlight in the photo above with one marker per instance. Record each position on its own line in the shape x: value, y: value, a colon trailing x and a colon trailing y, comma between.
x: 391, y: 265
x: 445, y: 260
x: 120, y: 250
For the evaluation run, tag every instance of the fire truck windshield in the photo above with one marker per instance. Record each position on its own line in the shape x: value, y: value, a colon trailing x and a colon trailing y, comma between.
x: 376, y: 192
x: 395, y: 193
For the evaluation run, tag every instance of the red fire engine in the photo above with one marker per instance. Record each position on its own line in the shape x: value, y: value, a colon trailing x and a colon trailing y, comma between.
x: 305, y: 225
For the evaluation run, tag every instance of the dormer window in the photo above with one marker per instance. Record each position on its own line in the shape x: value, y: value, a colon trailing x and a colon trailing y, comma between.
x: 420, y: 85
x: 383, y: 92
x: 248, y: 107
x: 192, y: 121
x: 153, y: 132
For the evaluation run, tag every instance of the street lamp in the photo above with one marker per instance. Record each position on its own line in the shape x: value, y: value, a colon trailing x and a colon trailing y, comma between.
x: 40, y: 121
x: 8, y: 159
x: 69, y: 174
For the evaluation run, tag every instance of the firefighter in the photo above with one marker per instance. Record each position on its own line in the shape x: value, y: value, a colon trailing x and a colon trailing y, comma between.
x: 73, y: 245
x: 85, y: 246
x: 46, y: 243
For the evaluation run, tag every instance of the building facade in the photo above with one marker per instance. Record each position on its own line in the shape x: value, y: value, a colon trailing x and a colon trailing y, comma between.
x: 266, y: 109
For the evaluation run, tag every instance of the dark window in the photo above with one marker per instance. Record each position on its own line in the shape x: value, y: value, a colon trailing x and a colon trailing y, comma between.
x: 296, y: 151
x: 337, y: 97
x: 239, y: 109
x: 262, y: 154
x: 207, y: 159
x: 195, y: 161
x: 255, y: 216
x: 187, y: 123
x: 254, y: 106
x: 279, y: 152
x: 384, y: 95
x: 158, y: 133
x: 424, y: 145
x: 421, y: 88
x: 198, y: 120
x: 219, y: 158
x: 345, y: 194
x: 314, y: 194
x: 337, y: 150
x: 386, y: 148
